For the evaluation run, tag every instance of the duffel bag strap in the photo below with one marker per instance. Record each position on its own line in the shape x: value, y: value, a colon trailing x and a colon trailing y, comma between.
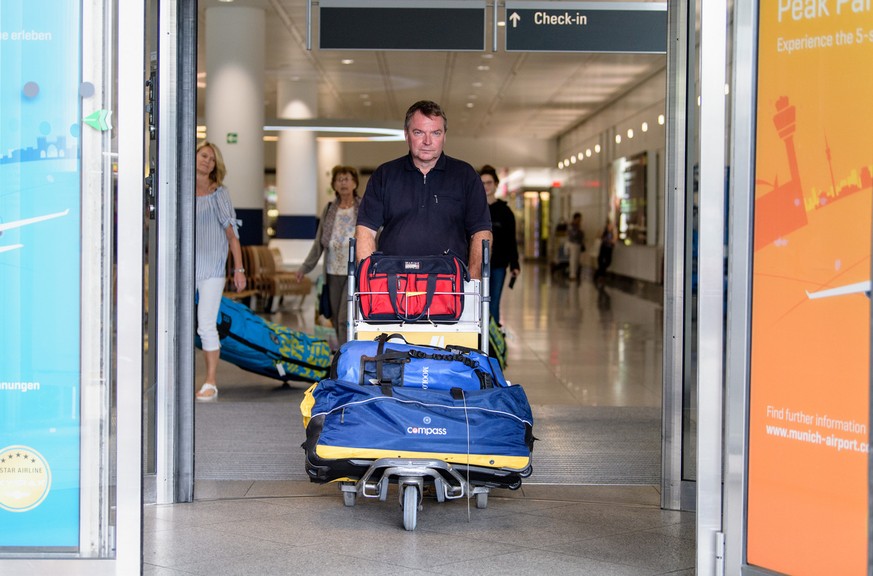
x: 391, y: 357
x: 383, y: 339
x: 465, y: 273
x: 392, y: 294
x: 465, y: 360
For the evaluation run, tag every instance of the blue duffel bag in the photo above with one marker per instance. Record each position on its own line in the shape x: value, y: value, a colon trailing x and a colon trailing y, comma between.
x: 266, y: 348
x: 488, y: 431
x: 386, y: 362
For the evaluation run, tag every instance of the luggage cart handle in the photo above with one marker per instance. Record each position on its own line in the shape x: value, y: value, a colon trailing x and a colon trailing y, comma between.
x: 350, y: 293
x: 486, y: 259
x: 485, y: 291
x: 351, y: 256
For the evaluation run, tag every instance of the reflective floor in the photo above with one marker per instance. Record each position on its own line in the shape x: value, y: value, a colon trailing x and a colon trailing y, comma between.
x: 590, y: 362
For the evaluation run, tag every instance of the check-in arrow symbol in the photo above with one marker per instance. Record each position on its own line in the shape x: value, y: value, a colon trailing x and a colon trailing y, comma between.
x: 514, y: 17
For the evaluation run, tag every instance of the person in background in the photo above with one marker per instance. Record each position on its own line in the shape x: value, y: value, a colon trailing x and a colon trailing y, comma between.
x: 575, y: 244
x: 336, y: 226
x: 216, y: 232
x: 604, y: 257
x: 504, y: 250
x: 425, y: 202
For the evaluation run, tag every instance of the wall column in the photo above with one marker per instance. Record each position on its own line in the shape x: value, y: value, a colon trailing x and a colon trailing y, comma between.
x: 296, y: 163
x: 235, y: 108
x: 330, y: 154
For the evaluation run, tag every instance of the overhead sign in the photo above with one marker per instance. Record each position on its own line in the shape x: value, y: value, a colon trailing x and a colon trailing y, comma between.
x: 457, y: 25
x: 586, y: 27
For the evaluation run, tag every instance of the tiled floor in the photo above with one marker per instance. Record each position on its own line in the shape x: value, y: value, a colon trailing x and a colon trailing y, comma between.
x: 570, y: 345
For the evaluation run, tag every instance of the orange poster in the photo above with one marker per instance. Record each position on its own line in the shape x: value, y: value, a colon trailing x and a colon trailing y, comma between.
x: 810, y: 341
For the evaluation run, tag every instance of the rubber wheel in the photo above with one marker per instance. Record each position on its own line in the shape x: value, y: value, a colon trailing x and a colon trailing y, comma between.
x: 482, y: 500
x: 410, y: 507
x: 349, y: 498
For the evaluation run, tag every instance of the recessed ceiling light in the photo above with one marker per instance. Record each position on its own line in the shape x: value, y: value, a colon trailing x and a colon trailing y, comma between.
x: 580, y: 155
x: 477, y: 84
x: 588, y: 152
x: 469, y: 104
x: 488, y: 55
x: 596, y: 148
x: 645, y: 127
x: 630, y: 132
x: 365, y: 96
x: 618, y: 138
x: 225, y: 0
x: 347, y: 61
x: 572, y: 159
x: 661, y: 119
x: 501, y: 23
x: 368, y: 103
x: 483, y: 68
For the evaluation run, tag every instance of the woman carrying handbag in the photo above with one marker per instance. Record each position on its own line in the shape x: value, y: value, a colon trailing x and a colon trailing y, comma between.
x: 337, y: 225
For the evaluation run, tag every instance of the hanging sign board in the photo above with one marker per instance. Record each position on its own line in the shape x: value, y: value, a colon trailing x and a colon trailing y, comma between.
x: 586, y: 27
x: 452, y: 25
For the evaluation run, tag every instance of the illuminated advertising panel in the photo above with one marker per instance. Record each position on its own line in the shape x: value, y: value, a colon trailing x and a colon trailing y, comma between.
x: 809, y: 379
x: 40, y: 248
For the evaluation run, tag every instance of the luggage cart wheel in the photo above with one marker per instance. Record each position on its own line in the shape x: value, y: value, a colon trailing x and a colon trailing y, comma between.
x: 410, y: 507
x: 482, y: 500
x: 349, y: 499
x: 350, y: 493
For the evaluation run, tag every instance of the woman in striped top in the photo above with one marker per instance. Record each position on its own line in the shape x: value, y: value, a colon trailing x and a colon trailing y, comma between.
x: 216, y: 232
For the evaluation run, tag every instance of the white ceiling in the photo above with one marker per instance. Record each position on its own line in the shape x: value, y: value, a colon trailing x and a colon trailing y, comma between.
x: 520, y: 95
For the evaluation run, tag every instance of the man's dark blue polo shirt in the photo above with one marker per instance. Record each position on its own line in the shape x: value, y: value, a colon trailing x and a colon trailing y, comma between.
x: 425, y: 214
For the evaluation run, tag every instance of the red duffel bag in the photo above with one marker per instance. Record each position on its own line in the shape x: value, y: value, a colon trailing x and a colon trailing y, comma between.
x: 411, y: 288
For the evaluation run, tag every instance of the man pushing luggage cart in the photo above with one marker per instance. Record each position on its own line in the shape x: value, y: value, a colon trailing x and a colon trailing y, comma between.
x: 431, y: 409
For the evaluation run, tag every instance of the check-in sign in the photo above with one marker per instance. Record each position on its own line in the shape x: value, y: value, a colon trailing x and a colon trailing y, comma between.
x: 451, y: 25
x: 586, y: 27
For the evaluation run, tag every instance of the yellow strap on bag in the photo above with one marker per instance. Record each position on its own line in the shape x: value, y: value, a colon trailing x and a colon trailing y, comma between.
x: 307, y: 404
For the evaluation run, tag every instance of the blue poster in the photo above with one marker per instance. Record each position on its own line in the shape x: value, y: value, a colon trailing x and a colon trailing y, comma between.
x: 40, y: 195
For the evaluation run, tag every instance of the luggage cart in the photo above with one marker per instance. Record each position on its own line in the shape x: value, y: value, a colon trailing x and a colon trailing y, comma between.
x: 413, y: 475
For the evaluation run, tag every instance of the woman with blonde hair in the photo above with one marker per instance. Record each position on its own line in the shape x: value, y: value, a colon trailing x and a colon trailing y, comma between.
x: 216, y: 226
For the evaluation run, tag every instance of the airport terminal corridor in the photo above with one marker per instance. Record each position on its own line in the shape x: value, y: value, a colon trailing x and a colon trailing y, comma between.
x: 590, y: 362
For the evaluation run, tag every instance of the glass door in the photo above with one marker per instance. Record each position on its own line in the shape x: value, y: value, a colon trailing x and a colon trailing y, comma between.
x: 71, y: 297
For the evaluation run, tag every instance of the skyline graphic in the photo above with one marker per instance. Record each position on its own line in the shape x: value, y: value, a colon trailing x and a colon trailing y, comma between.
x: 784, y: 209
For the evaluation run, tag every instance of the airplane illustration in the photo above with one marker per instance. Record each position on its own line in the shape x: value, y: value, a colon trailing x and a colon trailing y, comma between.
x: 857, y: 288
x: 25, y: 222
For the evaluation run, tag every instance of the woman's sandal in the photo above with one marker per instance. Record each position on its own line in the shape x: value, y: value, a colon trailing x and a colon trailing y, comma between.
x: 203, y: 397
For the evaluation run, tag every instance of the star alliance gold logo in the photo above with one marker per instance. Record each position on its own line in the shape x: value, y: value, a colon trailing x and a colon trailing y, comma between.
x: 25, y: 478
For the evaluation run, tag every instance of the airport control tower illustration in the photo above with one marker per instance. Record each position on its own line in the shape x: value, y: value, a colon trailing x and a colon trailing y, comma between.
x: 782, y: 208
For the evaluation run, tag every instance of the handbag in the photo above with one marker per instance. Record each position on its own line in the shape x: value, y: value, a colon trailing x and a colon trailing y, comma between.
x: 411, y: 288
x: 324, y: 301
